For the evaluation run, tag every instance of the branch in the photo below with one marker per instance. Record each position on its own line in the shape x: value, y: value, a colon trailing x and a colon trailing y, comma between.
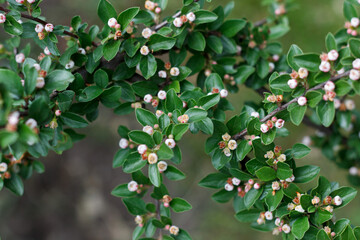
x: 284, y: 106
x: 260, y: 22
x: 160, y: 25
x: 23, y: 15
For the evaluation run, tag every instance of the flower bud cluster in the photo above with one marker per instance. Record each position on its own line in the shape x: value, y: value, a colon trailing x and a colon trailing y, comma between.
x: 273, y: 122
x: 227, y: 144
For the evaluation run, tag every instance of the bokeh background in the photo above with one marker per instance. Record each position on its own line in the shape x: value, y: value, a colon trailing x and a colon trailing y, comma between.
x: 72, y: 200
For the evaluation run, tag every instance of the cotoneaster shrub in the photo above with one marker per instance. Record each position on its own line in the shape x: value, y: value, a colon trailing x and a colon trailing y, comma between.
x: 120, y: 65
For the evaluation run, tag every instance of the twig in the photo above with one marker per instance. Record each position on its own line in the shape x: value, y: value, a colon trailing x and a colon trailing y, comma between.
x: 160, y: 25
x: 260, y: 22
x: 284, y: 106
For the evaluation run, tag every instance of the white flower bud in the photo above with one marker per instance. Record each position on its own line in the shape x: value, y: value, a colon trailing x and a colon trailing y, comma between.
x: 174, y: 230
x: 281, y: 158
x: 355, y: 22
x: 286, y: 228
x: 49, y: 27
x: 356, y: 64
x: 3, y: 167
x: 354, y: 74
x: 31, y: 123
x: 279, y: 123
x: 224, y: 93
x: 152, y: 158
x: 2, y: 18
x: 232, y: 145
x: 299, y: 208
x: 264, y: 128
x: 227, y: 152
x: 257, y: 186
x: 354, y: 171
x: 329, y: 86
x: 325, y: 66
x: 20, y: 58
x: 337, y: 200
x: 255, y: 114
x: 142, y: 148
x: 148, y: 129
x: 81, y: 51
x: 31, y: 1
x: 39, y: 28
x: 162, y: 166
x: 303, y: 73
x: 349, y: 104
x: 191, y: 16
x: 170, y: 142
x: 133, y: 186
x: 144, y: 50
x: 161, y: 95
x: 174, y: 71
x: 277, y: 222
x: 162, y: 74
x: 148, y: 98
x: 40, y: 82
x: 268, y: 215
x: 146, y: 33
x: 271, y: 66
x: 178, y: 22
x: 112, y: 22
x: 333, y: 55
x: 302, y: 101
x: 235, y: 181
x: 13, y: 118
x: 229, y: 187
x: 70, y: 65
x: 47, y: 51
x: 292, y: 83
x: 275, y: 186
x: 124, y: 143
x: 37, y: 66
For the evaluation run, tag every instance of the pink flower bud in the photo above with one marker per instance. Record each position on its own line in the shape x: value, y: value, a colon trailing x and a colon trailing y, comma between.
x: 49, y: 27
x: 325, y: 66
x: 2, y: 18
x: 223, y: 93
x: 302, y: 101
x: 279, y: 123
x: 112, y: 22
x: 292, y: 83
x: 354, y: 74
x: 333, y: 55
x: 264, y: 128
x: 58, y: 113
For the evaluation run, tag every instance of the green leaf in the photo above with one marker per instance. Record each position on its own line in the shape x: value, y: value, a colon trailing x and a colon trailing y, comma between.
x: 347, y: 194
x: 283, y: 171
x: 242, y: 150
x: 349, y: 11
x: 266, y: 174
x: 322, y: 235
x: 348, y: 233
x: 165, y: 152
x: 297, y: 114
x: 243, y: 176
x: 11, y: 81
x: 306, y: 173
x: 133, y: 163
x: 300, y: 150
x: 179, y: 130
x: 174, y: 174
x: 58, y: 80
x: 7, y: 138
x: 73, y: 120
x: 310, y: 61
x: 268, y: 138
x: 214, y: 43
x: 214, y: 81
x: 197, y: 41
x: 330, y: 42
x: 281, y: 83
x: 135, y: 206
x: 154, y: 175
x: 231, y: 27
x: 148, y: 66
x: 12, y: 26
x: 111, y: 48
x: 354, y: 45
x: 125, y: 17
x: 214, y: 180
x: 250, y: 215
x: 122, y: 191
x: 105, y: 11
x: 120, y: 157
x: 204, y: 16
x: 209, y: 101
x: 300, y: 226
x: 196, y: 114
x: 180, y: 205
x: 101, y: 78
x: 293, y: 51
x: 326, y: 112
x: 159, y: 42
x: 145, y: 117
x: 251, y: 197
x: 172, y: 101
x: 141, y: 137
x: 15, y: 184
x: 273, y: 201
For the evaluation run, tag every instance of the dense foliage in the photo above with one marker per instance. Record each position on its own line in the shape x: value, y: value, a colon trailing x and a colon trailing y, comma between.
x: 139, y: 63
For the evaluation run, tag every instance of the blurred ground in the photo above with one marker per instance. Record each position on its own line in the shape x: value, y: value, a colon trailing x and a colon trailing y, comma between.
x: 72, y: 200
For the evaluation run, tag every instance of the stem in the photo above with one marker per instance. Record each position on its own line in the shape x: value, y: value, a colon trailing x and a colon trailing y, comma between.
x: 284, y: 106
x: 157, y: 27
x: 260, y: 22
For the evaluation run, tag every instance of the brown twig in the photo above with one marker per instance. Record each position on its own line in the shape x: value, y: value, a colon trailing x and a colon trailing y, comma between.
x: 284, y: 106
x: 160, y: 25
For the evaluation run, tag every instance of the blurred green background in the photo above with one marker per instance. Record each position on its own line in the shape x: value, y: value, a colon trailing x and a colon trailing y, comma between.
x: 72, y: 200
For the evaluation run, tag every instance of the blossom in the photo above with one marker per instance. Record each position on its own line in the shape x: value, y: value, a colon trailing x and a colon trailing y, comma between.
x: 142, y: 148
x: 148, y: 98
x: 70, y: 65
x: 264, y: 128
x: 152, y: 158
x: 279, y: 123
x: 286, y: 228
x: 232, y: 145
x: 112, y: 22
x: 2, y: 18
x: 162, y: 166
x: 162, y: 74
x: 161, y: 95
x: 303, y: 73
x: 178, y: 22
x: 31, y: 123
x: 224, y: 93
x: 329, y: 86
x: 124, y: 143
x: 333, y: 55
x: 292, y: 83
x: 183, y: 118
x: 146, y: 33
x: 226, y: 137
x: 174, y: 230
x: 354, y: 171
x: 337, y: 201
x: 47, y: 51
x: 40, y: 82
x: 349, y: 104
x: 3, y: 167
x: 174, y: 71
x: 144, y: 50
x: 148, y: 129
x: 255, y: 114
x: 299, y: 208
x: 229, y: 187
x: 268, y: 215
x: 302, y: 101
x: 275, y: 186
x: 170, y: 142
x: 49, y: 27
x: 191, y: 16
x: 39, y: 28
x: 354, y: 74
x: 355, y: 22
x: 20, y: 58
x: 325, y: 66
x: 235, y: 181
x: 133, y: 186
